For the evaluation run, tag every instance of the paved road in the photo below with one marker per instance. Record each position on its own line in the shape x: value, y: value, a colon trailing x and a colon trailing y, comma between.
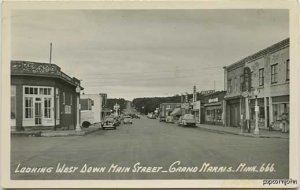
x: 150, y: 143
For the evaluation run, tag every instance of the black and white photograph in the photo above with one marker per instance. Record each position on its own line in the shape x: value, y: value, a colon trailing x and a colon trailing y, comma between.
x: 150, y: 94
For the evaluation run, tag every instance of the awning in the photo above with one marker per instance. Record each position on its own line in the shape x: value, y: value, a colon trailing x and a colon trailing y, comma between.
x: 176, y: 111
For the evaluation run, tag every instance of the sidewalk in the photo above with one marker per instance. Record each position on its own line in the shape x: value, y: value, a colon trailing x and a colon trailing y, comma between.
x: 263, y: 133
x: 58, y: 133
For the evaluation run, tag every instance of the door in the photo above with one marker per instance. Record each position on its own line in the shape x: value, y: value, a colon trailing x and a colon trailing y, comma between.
x: 234, y: 115
x: 38, y: 113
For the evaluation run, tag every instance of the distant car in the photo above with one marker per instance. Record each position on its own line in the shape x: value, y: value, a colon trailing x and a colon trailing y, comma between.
x: 188, y: 120
x: 127, y: 120
x: 151, y: 116
x: 109, y: 123
x: 117, y: 121
x: 162, y: 118
x: 169, y: 119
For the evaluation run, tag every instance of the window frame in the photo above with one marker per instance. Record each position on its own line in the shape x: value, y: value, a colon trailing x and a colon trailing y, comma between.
x: 274, y: 73
x: 261, y: 77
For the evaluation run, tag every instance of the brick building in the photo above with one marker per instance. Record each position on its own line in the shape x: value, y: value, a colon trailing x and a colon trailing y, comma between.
x: 267, y: 74
x: 42, y: 97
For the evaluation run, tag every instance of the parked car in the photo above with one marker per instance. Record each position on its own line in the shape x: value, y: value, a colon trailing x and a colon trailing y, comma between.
x: 109, y: 123
x: 188, y: 120
x: 117, y: 120
x: 151, y: 116
x: 162, y: 118
x: 127, y: 120
x: 169, y: 119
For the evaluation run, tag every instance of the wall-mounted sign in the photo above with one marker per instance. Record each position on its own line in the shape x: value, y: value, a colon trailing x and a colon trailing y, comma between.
x: 247, y: 79
x: 213, y: 100
x: 67, y: 109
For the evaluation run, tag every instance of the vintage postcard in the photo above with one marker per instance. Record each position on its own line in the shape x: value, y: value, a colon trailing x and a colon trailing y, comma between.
x: 150, y: 94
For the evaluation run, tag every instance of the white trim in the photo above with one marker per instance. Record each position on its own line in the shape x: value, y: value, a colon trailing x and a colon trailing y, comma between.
x: 44, y: 121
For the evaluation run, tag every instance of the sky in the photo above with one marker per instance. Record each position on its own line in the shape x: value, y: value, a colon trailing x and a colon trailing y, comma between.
x: 145, y: 53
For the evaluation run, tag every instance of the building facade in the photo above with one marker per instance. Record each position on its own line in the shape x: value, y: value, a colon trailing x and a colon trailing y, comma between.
x: 263, y: 76
x: 42, y: 97
x: 213, y: 108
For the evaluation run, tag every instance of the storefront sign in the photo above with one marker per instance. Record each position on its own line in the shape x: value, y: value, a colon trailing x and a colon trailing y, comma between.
x: 213, y: 100
x: 196, y: 105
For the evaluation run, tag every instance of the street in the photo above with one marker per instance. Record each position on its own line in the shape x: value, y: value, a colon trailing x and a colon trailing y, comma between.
x: 150, y: 143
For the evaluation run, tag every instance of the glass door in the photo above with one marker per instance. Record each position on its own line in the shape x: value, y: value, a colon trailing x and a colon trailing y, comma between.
x: 38, y: 112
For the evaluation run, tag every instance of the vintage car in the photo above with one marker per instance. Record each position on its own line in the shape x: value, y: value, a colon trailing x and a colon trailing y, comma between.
x: 127, y: 120
x: 109, y: 123
x: 187, y: 120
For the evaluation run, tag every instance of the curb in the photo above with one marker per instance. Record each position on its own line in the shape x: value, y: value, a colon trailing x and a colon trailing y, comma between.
x: 240, y: 134
x: 52, y: 134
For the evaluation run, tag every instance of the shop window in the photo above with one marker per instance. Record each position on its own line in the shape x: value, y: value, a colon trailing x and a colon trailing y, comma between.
x: 261, y: 112
x: 28, y: 107
x: 261, y: 77
x: 13, y: 102
x: 274, y: 73
x: 279, y: 109
x: 287, y: 69
x: 47, y: 107
x: 71, y: 99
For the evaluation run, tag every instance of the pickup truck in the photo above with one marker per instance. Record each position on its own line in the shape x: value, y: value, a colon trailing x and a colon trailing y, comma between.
x: 188, y: 120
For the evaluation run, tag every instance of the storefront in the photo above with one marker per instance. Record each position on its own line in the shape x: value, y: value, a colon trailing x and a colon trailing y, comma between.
x: 42, y: 97
x: 213, y: 108
x: 280, y: 106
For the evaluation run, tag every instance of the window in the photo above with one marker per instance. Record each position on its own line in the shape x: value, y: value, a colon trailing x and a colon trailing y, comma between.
x: 47, y: 107
x: 229, y: 86
x: 261, y: 77
x: 28, y: 107
x: 274, y: 73
x: 241, y: 82
x: 31, y: 90
x: 13, y: 102
x: 288, y: 69
x: 64, y: 97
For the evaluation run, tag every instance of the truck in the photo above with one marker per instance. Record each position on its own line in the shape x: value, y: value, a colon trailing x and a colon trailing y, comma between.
x: 91, y: 109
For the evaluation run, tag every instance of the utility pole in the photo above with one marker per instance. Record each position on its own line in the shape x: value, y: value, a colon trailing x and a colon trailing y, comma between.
x: 214, y: 85
x: 50, y: 52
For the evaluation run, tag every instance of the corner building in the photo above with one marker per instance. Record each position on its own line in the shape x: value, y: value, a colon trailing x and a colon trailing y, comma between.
x: 42, y: 97
x: 268, y: 75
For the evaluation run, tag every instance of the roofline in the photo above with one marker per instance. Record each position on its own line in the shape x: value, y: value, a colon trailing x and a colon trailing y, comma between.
x: 275, y: 47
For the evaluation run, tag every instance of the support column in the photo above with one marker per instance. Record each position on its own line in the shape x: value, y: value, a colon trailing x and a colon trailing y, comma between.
x: 256, y: 130
x: 77, y: 114
x: 271, y: 110
x: 266, y: 112
x: 224, y: 113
